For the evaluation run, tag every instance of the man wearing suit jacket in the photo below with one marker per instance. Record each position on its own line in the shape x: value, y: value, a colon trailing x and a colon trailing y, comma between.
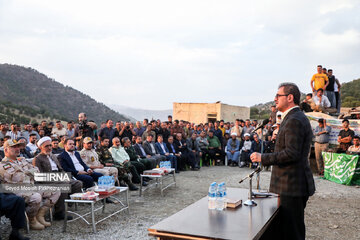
x: 47, y: 162
x: 186, y: 156
x: 71, y: 162
x: 194, y: 150
x: 150, y: 149
x: 141, y: 152
x: 291, y: 176
x: 164, y: 151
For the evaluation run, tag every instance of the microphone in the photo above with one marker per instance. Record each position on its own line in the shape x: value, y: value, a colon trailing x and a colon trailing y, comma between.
x: 258, y: 169
x: 263, y: 124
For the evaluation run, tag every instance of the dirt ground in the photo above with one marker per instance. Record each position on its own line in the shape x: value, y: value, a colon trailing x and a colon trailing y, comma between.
x: 332, y: 213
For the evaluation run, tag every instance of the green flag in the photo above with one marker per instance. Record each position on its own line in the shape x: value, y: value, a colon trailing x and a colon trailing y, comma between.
x: 340, y: 168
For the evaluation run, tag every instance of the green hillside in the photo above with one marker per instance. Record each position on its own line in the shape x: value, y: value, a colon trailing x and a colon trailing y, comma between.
x: 350, y: 94
x: 26, y: 94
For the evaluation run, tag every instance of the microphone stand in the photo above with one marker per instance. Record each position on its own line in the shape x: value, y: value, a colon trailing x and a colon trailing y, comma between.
x: 260, y: 165
x: 250, y: 201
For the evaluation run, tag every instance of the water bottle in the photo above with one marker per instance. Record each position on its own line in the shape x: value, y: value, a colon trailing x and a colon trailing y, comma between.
x: 224, y: 193
x: 212, y: 196
x: 220, y: 200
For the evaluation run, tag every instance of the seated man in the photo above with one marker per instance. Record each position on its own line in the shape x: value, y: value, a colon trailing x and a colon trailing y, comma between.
x: 32, y: 143
x: 150, y: 149
x: 13, y: 207
x: 164, y: 151
x: 17, y: 170
x: 141, y: 152
x: 24, y: 150
x: 71, y: 161
x: 91, y: 159
x: 257, y: 145
x: 307, y: 103
x: 130, y: 150
x: 215, y: 147
x: 245, y: 151
x: 321, y: 103
x: 47, y: 162
x: 186, y: 156
x: 194, y: 149
x: 106, y: 159
x: 356, y: 147
x: 233, y: 150
x: 55, y: 147
x: 121, y: 157
x: 203, y: 144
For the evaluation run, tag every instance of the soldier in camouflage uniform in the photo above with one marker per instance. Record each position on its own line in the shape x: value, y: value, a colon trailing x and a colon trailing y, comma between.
x: 91, y: 158
x: 18, y: 170
x: 106, y: 159
x: 133, y: 155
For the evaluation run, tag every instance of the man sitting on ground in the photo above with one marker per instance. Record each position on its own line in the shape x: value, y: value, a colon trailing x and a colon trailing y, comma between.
x: 321, y: 103
x: 356, y: 147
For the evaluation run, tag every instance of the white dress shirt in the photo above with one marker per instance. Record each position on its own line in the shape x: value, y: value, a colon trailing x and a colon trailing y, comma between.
x: 75, y: 161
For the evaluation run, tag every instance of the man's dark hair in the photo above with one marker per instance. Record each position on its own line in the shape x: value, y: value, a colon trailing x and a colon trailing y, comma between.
x: 108, y: 120
x: 146, y: 120
x: 320, y: 89
x: 309, y: 94
x: 124, y: 140
x: 357, y: 137
x: 345, y: 120
x: 32, y: 134
x: 104, y: 138
x: 177, y: 121
x: 66, y: 140
x: 324, y: 69
x: 291, y: 88
x: 319, y: 66
x: 58, y: 121
x: 160, y: 135
x: 169, y: 116
x: 329, y: 70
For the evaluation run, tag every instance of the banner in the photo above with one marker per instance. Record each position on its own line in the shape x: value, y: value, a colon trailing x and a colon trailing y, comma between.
x: 334, y: 123
x: 341, y: 168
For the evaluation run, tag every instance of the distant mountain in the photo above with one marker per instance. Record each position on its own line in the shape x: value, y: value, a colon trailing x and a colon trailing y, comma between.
x: 27, y: 89
x: 139, y: 114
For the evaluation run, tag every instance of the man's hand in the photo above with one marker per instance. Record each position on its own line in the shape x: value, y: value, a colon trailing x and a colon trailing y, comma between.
x: 167, y: 154
x: 109, y: 164
x: 90, y: 171
x: 101, y: 166
x: 148, y: 156
x: 82, y: 173
x: 255, y: 157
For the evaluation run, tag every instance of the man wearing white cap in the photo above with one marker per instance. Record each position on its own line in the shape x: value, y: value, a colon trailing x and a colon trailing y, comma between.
x: 233, y: 150
x: 245, y: 150
x: 18, y: 170
x: 45, y: 161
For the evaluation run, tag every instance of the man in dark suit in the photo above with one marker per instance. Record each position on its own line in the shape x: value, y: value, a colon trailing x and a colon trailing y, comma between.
x: 141, y: 152
x: 186, y: 156
x: 150, y: 149
x: 291, y: 176
x: 47, y: 162
x: 71, y: 162
x: 164, y: 151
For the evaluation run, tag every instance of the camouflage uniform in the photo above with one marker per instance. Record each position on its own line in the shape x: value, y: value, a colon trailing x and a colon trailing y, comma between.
x: 20, y: 171
x: 105, y: 157
x: 135, y: 158
x: 91, y: 158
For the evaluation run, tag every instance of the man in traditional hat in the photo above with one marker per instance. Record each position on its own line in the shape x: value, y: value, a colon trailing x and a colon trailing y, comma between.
x: 47, y: 162
x: 18, y: 170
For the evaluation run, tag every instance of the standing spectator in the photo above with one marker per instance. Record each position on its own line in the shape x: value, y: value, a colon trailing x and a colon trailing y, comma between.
x: 139, y: 130
x: 247, y: 128
x: 257, y: 145
x: 237, y: 129
x: 59, y: 129
x: 273, y: 115
x: 218, y: 132
x: 164, y: 132
x: 14, y: 133
x: 322, y: 138
x: 148, y: 132
x: 337, y: 87
x: 345, y: 137
x: 170, y: 119
x: 4, y: 128
x: 330, y: 89
x: 233, y: 150
x: 176, y: 128
x: 70, y: 131
x: 107, y: 132
x: 126, y: 131
x: 319, y: 80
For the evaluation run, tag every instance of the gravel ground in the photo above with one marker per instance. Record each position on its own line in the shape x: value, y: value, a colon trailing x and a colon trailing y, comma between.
x: 332, y: 213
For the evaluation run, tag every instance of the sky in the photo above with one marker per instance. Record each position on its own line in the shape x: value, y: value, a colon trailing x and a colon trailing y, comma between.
x: 149, y: 54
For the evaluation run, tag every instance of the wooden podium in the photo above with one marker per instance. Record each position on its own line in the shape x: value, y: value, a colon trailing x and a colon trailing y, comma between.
x: 198, y: 222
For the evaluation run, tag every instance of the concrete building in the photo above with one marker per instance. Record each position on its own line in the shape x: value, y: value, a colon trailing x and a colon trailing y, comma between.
x: 209, y: 112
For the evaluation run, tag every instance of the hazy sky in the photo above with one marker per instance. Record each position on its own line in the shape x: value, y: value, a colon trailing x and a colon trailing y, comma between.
x: 148, y: 54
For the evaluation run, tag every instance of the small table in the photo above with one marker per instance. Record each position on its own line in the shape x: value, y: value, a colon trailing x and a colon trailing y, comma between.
x: 159, y: 180
x: 198, y: 222
x: 92, y: 211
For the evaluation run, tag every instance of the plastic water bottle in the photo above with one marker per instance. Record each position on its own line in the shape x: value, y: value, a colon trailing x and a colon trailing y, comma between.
x: 224, y: 193
x: 220, y: 200
x: 212, y: 196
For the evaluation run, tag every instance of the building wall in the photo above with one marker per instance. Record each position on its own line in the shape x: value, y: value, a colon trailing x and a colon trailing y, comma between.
x: 229, y: 112
x: 200, y: 112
